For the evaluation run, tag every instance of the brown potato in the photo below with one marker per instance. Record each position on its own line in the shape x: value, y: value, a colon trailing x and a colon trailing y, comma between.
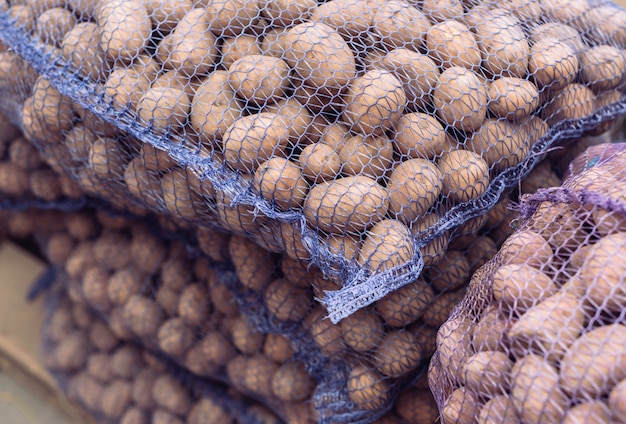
x: 170, y: 394
x: 142, y: 316
x: 498, y: 409
x: 235, y: 48
x: 351, y: 18
x: 53, y: 24
x: 346, y: 204
x: 369, y: 156
x: 602, y: 67
x: 284, y: 13
x: 375, y: 102
x: 208, y: 354
x: 616, y: 401
x: 535, y: 391
x: 526, y: 247
x: 398, y: 24
x: 521, y: 286
x: 278, y: 348
x: 124, y: 28
x: 366, y: 388
x: 439, y: 310
x: 414, y: 186
x: 326, y: 335
x: 362, y: 331
x: 460, y: 99
x: 231, y: 17
x: 406, y: 304
x: 94, y: 288
x: 594, y: 363
x: 175, y: 337
x: 420, y: 136
x: 603, y: 274
x: 550, y: 326
x: 588, y: 412
x: 552, y: 63
x: 460, y: 407
x: 454, y: 345
x: 500, y: 143
x: 292, y: 383
x: 280, y: 182
x: 573, y: 102
x: 258, y: 376
x: 486, y: 373
x: 503, y: 45
x: 319, y: 55
x: 259, y: 79
x: 253, y: 139
x: 451, y: 43
x: 513, y: 98
x: 560, y: 32
x: 451, y: 273
x: 417, y: 406
x: 287, y: 302
x: 397, y: 353
x: 245, y: 337
x: 164, y: 108
x: 254, y: 267
x: 116, y: 398
x: 465, y: 175
x: 319, y: 162
x: 13, y: 179
x: 208, y: 411
x: 387, y: 244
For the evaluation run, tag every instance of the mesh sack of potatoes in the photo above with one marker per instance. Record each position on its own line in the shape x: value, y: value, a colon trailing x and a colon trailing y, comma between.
x: 316, y: 129
x: 120, y: 382
x: 541, y: 333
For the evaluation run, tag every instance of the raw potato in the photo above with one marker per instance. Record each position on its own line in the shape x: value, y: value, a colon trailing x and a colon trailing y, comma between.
x: 280, y: 182
x: 594, y: 412
x: 366, y: 388
x: 387, y: 244
x: 235, y: 48
x: 442, y: 10
x: 286, y: 301
x: 175, y: 337
x: 319, y: 55
x: 260, y: 79
x: 190, y: 48
x: 573, y: 102
x: 451, y: 43
x: 503, y: 45
x: 552, y: 63
x: 498, y: 409
x: 535, y: 391
x: 595, y: 362
x: 465, y: 175
x: 291, y: 382
x: 370, y: 156
x: 286, y: 13
x: 125, y: 87
x: 375, y: 102
x: 346, y: 204
x: 362, y: 331
x: 398, y: 24
x: 550, y: 326
x: 53, y: 24
x: 414, y: 186
x: 451, y: 272
x: 617, y: 401
x: 603, y: 273
x: 461, y: 407
x: 513, y: 98
x: 406, y: 304
x: 420, y: 136
x: 526, y: 247
x: 521, y: 286
x: 214, y: 107
x: 486, y: 373
x: 417, y: 72
x: 253, y: 139
x: 231, y: 17
x: 124, y: 28
x: 397, y: 354
x: 460, y: 99
x: 319, y: 162
x: 258, y: 376
x: 602, y: 67
x: 351, y: 18
x: 500, y: 143
x: 164, y: 108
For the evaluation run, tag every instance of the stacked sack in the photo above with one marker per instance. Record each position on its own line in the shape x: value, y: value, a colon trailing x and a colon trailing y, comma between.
x: 120, y: 382
x: 314, y: 129
x: 541, y: 333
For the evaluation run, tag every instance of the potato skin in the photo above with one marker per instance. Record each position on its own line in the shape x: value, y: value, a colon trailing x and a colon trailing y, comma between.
x: 387, y: 244
x: 460, y: 99
x: 346, y: 204
x: 465, y: 175
x: 124, y: 28
x: 281, y: 182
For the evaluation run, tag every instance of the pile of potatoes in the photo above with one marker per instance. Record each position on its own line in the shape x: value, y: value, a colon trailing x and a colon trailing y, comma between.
x: 151, y: 292
x: 541, y: 336
x: 121, y: 382
x: 369, y: 117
